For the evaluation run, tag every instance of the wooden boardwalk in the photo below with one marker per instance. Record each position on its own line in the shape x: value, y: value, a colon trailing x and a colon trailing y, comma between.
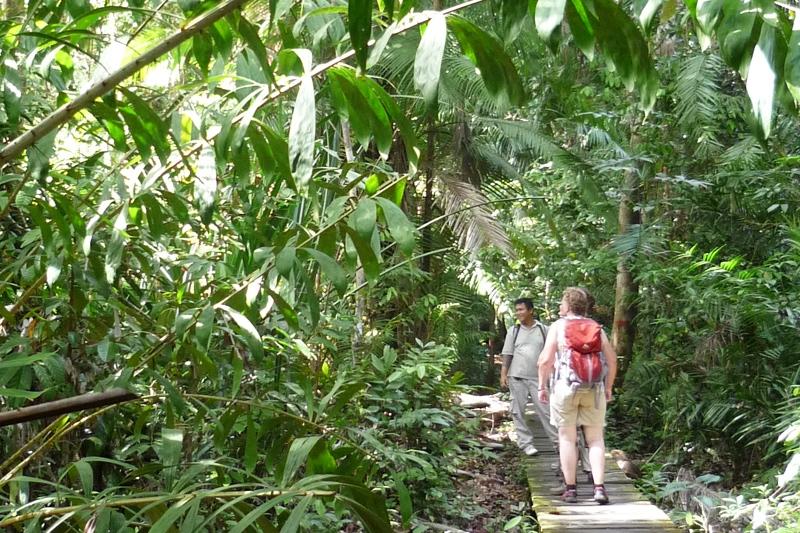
x: 628, y: 512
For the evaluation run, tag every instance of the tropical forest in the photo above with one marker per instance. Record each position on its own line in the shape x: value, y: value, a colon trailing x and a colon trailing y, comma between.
x: 257, y: 257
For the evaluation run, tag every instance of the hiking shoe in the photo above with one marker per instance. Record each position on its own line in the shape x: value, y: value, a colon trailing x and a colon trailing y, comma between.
x: 600, y: 495
x: 530, y: 450
x: 570, y: 496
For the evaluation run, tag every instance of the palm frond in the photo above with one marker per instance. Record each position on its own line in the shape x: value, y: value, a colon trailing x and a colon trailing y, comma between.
x: 492, y: 159
x: 476, y: 227
x: 524, y: 137
x: 698, y: 95
x: 745, y: 154
x: 476, y: 278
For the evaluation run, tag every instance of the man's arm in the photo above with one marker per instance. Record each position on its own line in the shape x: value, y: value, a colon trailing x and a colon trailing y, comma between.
x: 611, y: 360
x: 507, y: 353
x: 546, y: 363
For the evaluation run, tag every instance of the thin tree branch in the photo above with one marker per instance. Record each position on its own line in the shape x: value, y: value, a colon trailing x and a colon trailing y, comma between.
x: 61, y: 115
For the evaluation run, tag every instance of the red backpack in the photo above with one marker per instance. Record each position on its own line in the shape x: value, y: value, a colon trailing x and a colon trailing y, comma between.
x: 584, y: 342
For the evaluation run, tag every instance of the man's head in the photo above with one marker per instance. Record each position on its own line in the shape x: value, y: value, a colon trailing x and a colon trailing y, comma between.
x: 575, y: 300
x: 523, y: 309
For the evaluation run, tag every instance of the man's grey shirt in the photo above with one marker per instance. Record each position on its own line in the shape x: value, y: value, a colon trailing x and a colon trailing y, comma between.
x: 525, y: 350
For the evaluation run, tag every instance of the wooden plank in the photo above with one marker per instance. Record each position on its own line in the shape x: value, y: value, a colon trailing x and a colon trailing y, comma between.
x: 628, y: 512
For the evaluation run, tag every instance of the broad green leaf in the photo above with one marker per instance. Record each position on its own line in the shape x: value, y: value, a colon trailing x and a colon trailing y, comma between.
x: 792, y: 66
x: 369, y: 507
x: 359, y: 23
x: 513, y: 16
x: 116, y: 245
x: 364, y: 218
x: 166, y: 521
x: 404, y: 125
x: 330, y: 268
x: 645, y: 10
x: 237, y: 372
x: 708, y: 14
x: 183, y: 320
x: 302, y: 129
x: 84, y: 470
x: 39, y: 156
x: 401, y: 229
x: 205, y: 184
x: 669, y: 10
x: 205, y: 324
x: 626, y: 48
x: 24, y: 360
x: 380, y: 45
x: 222, y: 34
x: 288, y: 312
x: 253, y: 290
x: 155, y: 128
x: 297, y: 456
x: 12, y: 91
x: 170, y: 450
x: 284, y: 261
x: 249, y: 33
x: 428, y: 59
x: 581, y: 27
x: 292, y: 524
x: 737, y: 34
x: 369, y: 261
x: 202, y: 49
x: 404, y: 498
x: 251, y: 444
x: 249, y: 331
x: 763, y: 76
x: 191, y: 522
x: 381, y: 125
x: 17, y: 393
x: 54, y: 269
x: 320, y: 460
x: 549, y: 14
x: 498, y: 72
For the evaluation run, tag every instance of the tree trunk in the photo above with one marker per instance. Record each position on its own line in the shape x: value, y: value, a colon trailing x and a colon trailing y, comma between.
x: 624, y: 331
x: 361, y: 299
x: 430, y: 159
x: 427, y: 204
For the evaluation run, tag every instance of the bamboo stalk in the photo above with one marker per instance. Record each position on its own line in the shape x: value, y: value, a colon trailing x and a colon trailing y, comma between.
x: 68, y: 110
x: 66, y: 405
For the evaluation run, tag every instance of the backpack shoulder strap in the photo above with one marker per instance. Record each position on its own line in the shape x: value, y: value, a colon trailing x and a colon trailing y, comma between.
x: 516, y: 334
x: 541, y: 330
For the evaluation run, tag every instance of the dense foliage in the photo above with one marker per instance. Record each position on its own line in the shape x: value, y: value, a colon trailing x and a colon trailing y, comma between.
x: 296, y: 245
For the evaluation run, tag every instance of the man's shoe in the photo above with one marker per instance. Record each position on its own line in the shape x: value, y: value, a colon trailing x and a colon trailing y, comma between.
x: 530, y: 450
x: 600, y: 494
x: 570, y: 496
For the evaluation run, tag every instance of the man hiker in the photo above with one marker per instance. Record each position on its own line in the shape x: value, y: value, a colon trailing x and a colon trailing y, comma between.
x: 519, y: 373
x: 585, y: 366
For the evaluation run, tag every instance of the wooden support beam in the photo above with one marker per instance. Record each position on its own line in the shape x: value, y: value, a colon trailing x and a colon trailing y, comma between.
x: 66, y: 405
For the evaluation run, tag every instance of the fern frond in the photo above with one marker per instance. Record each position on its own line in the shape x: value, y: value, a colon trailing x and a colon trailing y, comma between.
x: 745, y: 154
x: 524, y: 137
x: 473, y: 228
x: 698, y: 95
x: 478, y: 280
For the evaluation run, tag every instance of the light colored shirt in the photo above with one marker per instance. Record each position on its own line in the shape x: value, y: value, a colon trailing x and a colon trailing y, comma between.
x: 525, y: 351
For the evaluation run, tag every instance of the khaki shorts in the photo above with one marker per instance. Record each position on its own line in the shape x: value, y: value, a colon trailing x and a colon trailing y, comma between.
x: 581, y: 407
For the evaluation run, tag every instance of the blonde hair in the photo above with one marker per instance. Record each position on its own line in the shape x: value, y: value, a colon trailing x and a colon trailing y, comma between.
x: 577, y: 300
